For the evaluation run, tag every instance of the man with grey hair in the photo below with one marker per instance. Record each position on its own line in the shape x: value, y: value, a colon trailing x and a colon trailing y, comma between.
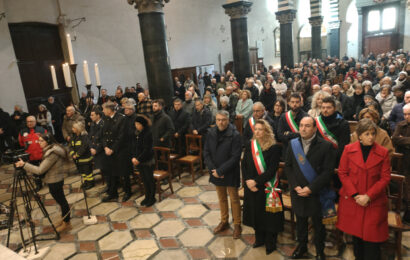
x: 396, y: 114
x: 233, y: 97
x: 259, y: 112
x: 343, y: 102
x: 188, y: 105
x: 250, y: 85
x: 222, y: 154
x: 401, y: 141
x: 70, y: 118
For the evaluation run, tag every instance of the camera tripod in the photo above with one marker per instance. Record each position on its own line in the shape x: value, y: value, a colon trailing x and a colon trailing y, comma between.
x: 23, y: 186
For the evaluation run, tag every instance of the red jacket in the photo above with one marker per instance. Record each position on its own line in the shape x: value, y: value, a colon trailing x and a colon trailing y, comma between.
x: 368, y: 223
x: 29, y: 138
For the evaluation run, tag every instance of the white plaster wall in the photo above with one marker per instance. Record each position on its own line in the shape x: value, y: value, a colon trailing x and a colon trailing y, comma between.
x: 351, y: 33
x: 406, y: 44
x: 11, y: 89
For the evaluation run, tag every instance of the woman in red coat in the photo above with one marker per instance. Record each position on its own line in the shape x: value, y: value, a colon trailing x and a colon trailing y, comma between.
x: 364, y: 171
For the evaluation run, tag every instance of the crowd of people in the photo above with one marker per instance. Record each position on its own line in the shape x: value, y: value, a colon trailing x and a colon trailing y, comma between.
x: 298, y: 115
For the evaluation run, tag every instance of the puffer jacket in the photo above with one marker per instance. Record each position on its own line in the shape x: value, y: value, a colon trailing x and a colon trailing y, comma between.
x: 52, y: 164
x: 68, y: 123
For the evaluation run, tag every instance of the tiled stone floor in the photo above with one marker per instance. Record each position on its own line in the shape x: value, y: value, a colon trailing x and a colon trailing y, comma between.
x: 179, y: 227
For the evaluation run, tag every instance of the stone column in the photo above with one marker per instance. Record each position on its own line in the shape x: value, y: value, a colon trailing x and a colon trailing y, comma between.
x: 285, y: 19
x: 334, y: 39
x: 316, y: 23
x: 239, y: 31
x: 154, y: 43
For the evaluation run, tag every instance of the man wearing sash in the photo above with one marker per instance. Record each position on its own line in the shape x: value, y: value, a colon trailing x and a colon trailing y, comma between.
x: 259, y: 112
x: 309, y: 166
x: 288, y: 127
x: 333, y: 127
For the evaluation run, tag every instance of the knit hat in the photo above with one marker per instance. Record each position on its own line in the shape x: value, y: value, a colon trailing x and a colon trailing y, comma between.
x: 142, y: 120
x: 403, y: 72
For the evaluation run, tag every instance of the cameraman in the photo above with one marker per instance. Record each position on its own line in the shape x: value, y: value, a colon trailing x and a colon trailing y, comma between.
x: 54, y: 157
x: 28, y: 138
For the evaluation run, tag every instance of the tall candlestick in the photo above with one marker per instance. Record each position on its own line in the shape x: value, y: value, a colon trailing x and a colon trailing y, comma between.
x: 54, y: 77
x: 67, y: 76
x: 86, y: 73
x: 70, y: 49
x: 97, y: 75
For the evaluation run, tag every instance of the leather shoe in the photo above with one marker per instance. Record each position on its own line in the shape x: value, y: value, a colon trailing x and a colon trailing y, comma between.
x: 321, y: 256
x: 257, y: 244
x: 270, y: 250
x: 237, y: 231
x: 126, y: 197
x: 150, y: 203
x: 299, y: 252
x: 109, y: 198
x: 221, y: 227
x: 144, y: 202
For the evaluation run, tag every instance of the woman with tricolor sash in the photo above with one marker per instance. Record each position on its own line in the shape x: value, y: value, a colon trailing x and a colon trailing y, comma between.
x: 262, y: 207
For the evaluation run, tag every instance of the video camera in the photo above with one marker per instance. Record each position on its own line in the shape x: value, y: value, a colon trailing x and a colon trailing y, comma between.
x: 13, y: 156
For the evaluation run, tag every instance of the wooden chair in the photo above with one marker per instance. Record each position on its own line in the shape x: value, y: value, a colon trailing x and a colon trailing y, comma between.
x: 176, y: 152
x: 352, y: 126
x: 396, y: 163
x: 193, y: 145
x: 239, y: 124
x: 287, y: 204
x: 162, y: 157
x: 394, y: 218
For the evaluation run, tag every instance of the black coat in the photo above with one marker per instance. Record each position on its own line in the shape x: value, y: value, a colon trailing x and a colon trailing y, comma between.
x: 347, y: 106
x: 114, y: 138
x: 339, y: 127
x: 255, y: 93
x: 254, y: 213
x: 143, y: 146
x: 223, y: 152
x: 201, y: 120
x: 181, y: 120
x: 95, y: 139
x: 268, y: 98
x: 283, y: 127
x: 162, y: 127
x: 321, y: 156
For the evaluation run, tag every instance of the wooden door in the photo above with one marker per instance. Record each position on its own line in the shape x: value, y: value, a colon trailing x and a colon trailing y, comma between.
x: 38, y: 46
x: 380, y: 44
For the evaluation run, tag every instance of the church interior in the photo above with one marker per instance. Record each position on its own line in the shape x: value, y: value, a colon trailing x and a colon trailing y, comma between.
x: 75, y: 50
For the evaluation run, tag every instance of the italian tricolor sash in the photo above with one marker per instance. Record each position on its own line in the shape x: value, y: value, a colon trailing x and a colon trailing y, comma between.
x: 273, y: 203
x: 327, y: 135
x: 291, y: 122
x: 252, y: 123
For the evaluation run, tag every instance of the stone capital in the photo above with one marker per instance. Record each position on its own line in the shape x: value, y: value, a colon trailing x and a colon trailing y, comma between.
x: 286, y: 16
x: 316, y: 21
x: 148, y: 6
x: 334, y: 25
x: 238, y: 9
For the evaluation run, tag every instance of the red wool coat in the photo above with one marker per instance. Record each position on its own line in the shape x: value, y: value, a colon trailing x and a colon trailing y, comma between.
x: 368, y: 223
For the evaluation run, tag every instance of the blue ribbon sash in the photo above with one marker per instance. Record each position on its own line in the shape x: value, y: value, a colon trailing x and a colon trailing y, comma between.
x: 327, y: 196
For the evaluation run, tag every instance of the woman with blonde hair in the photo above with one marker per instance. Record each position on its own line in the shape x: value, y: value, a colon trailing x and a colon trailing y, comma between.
x: 80, y: 151
x: 262, y: 208
x: 244, y: 106
x: 317, y: 103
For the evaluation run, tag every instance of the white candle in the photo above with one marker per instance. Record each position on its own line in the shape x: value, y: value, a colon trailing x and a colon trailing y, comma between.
x: 67, y: 75
x: 54, y: 77
x: 70, y: 49
x: 86, y: 73
x: 97, y: 75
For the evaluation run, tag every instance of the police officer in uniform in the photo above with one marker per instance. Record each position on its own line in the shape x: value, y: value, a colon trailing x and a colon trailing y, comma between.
x: 115, y: 152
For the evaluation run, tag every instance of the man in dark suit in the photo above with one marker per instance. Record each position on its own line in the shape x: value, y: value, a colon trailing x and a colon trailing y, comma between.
x: 305, y: 194
x: 289, y: 121
x: 114, y: 149
x: 181, y: 120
